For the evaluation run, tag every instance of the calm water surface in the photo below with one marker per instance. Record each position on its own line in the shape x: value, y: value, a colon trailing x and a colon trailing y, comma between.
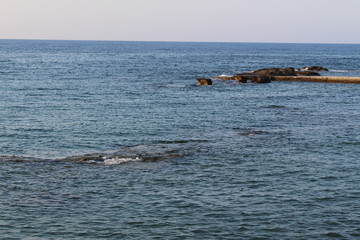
x: 163, y: 158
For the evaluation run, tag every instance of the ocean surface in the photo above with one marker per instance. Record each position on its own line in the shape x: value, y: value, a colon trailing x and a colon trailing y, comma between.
x: 114, y: 140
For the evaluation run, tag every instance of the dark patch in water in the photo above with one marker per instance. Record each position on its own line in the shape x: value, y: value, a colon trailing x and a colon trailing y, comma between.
x: 253, y: 132
x: 13, y: 158
x: 182, y: 141
x: 351, y: 143
x: 274, y: 106
x: 333, y: 235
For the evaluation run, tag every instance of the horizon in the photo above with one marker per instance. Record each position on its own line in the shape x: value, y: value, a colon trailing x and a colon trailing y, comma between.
x: 233, y: 21
x: 164, y: 41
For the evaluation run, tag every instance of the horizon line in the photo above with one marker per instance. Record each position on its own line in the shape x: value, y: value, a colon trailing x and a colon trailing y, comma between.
x: 174, y: 41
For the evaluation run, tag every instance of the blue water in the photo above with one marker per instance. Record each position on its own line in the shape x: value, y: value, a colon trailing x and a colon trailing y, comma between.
x: 113, y: 140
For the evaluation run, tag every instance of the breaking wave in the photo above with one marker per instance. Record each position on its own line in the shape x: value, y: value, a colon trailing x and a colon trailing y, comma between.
x: 119, y: 160
x: 343, y: 71
x: 139, y: 153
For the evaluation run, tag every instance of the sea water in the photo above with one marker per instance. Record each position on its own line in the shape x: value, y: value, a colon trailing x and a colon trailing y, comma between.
x: 114, y: 140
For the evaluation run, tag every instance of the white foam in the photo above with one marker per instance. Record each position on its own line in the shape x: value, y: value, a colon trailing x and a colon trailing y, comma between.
x: 119, y: 160
x: 340, y: 71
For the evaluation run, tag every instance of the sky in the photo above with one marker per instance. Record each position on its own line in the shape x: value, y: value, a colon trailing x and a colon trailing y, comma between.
x: 292, y: 21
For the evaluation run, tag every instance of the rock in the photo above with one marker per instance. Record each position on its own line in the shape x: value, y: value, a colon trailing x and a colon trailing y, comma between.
x: 307, y: 73
x: 235, y: 77
x: 243, y: 78
x: 290, y: 71
x: 204, y: 81
x: 264, y: 75
x: 84, y: 158
x: 275, y: 72
x: 225, y: 77
x: 262, y: 79
x: 315, y: 68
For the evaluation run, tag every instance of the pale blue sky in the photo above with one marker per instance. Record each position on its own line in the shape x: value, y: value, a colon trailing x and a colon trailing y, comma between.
x: 320, y: 21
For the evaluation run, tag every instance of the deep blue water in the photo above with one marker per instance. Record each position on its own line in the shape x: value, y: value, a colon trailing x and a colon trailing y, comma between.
x: 166, y: 159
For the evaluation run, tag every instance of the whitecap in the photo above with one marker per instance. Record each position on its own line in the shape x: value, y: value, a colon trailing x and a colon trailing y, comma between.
x: 226, y: 75
x: 339, y: 71
x: 120, y: 160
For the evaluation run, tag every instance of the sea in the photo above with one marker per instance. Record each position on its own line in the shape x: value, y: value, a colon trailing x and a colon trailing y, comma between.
x: 114, y: 140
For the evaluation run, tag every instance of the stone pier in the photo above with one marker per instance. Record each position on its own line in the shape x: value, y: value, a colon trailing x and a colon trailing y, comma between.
x: 325, y: 79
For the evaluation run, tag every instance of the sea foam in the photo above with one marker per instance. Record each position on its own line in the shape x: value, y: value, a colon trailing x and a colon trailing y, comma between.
x: 120, y: 160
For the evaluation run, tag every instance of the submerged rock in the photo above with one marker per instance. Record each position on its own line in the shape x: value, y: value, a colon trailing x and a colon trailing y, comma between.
x: 138, y: 153
x: 13, y: 158
x: 84, y: 158
x: 253, y: 133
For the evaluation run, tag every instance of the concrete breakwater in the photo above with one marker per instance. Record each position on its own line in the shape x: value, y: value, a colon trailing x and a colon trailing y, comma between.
x: 325, y: 79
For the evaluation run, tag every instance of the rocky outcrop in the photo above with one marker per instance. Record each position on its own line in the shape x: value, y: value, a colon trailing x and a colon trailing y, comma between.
x: 254, y: 78
x: 266, y: 75
x: 244, y: 78
x: 275, y: 72
x: 227, y: 77
x: 315, y: 68
x: 204, y: 81
x: 262, y: 79
x: 259, y: 76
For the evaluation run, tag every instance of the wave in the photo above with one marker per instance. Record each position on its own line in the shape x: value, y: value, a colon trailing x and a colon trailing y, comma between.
x: 342, y: 71
x: 226, y: 75
x: 119, y: 160
x: 139, y: 153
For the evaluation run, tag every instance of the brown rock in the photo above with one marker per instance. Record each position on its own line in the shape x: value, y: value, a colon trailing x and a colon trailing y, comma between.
x: 227, y: 77
x: 204, y: 81
x: 265, y: 75
x: 275, y: 72
x: 262, y: 79
x: 243, y: 78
